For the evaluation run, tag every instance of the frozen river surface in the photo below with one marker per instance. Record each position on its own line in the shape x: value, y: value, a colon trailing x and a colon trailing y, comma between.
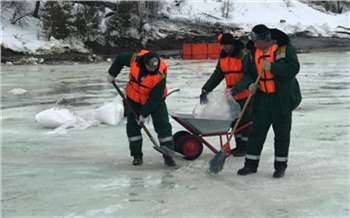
x: 88, y: 173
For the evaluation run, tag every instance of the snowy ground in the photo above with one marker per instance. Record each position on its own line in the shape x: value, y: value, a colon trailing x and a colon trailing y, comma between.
x: 88, y: 173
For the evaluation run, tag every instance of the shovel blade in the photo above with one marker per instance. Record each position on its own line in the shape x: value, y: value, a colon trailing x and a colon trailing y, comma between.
x: 164, y: 150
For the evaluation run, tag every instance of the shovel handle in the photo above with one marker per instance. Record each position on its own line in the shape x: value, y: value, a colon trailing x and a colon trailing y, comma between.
x: 134, y: 113
x: 243, y: 109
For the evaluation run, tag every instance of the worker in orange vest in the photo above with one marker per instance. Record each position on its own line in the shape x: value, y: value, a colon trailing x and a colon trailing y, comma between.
x: 234, y: 61
x: 146, y: 92
x: 277, y: 95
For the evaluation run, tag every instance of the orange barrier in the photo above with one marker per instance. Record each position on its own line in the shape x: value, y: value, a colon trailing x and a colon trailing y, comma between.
x: 201, y: 51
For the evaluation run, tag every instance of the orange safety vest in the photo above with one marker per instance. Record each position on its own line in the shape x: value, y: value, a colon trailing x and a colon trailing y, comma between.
x: 139, y: 91
x: 232, y: 69
x: 219, y: 37
x: 266, y: 82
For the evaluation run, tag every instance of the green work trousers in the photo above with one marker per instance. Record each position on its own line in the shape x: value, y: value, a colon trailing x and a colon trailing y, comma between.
x: 161, y: 125
x: 267, y: 113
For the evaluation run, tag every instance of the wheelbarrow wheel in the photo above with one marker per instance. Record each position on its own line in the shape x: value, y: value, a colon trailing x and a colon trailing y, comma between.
x: 191, y: 147
x: 177, y: 138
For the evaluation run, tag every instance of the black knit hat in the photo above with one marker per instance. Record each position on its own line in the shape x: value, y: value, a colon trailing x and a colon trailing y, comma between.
x: 227, y: 39
x: 151, y: 59
x: 260, y: 32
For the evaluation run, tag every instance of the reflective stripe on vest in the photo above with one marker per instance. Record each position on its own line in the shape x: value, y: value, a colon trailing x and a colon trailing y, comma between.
x: 232, y: 69
x: 266, y: 82
x: 139, y: 91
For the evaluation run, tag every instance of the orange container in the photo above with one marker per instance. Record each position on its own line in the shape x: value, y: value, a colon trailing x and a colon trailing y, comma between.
x: 200, y: 51
x: 186, y: 51
x: 213, y: 50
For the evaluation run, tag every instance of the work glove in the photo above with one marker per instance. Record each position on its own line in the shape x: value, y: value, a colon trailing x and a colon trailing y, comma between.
x: 110, y: 78
x: 203, y: 98
x: 233, y: 91
x: 266, y: 65
x: 252, y: 88
x: 141, y: 120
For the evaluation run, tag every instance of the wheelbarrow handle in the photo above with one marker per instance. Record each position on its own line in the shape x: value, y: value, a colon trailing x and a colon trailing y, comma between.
x: 171, y: 92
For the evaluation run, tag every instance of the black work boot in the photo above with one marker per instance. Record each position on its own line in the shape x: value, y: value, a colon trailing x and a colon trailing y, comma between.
x: 241, y: 152
x: 280, y: 168
x: 137, y: 160
x: 278, y: 174
x: 169, y: 161
x: 246, y: 170
x: 250, y: 166
x: 234, y: 150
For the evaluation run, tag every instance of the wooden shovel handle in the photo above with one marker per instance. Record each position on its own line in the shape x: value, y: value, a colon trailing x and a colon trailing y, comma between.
x: 134, y: 113
x: 243, y: 109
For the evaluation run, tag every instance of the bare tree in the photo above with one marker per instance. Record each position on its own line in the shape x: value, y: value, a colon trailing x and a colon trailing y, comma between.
x: 179, y: 2
x: 87, y: 21
x: 19, y: 9
x: 333, y: 6
x: 146, y: 11
x: 57, y: 19
x: 226, y: 8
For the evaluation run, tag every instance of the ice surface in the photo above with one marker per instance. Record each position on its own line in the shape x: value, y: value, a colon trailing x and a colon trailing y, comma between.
x: 88, y: 173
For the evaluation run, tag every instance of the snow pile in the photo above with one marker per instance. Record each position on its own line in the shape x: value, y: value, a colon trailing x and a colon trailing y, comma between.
x: 28, y: 37
x: 18, y: 91
x: 291, y: 17
x: 193, y: 168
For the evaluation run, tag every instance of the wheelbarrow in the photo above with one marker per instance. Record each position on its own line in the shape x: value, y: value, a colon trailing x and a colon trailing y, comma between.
x: 190, y: 143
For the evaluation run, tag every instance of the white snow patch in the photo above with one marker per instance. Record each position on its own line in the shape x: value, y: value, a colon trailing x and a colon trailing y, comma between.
x: 193, y: 168
x: 18, y: 91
